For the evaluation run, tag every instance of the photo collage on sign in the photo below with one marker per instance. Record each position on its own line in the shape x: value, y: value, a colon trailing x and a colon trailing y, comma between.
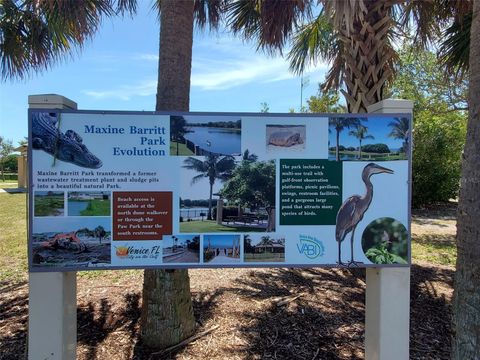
x: 195, y: 190
x: 374, y: 153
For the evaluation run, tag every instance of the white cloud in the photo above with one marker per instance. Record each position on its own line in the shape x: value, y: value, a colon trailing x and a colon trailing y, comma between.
x: 145, y: 57
x: 219, y: 63
x: 126, y: 92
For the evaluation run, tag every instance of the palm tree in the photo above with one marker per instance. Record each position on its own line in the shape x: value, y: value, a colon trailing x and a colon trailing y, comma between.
x: 34, y: 35
x: 357, y: 37
x: 400, y: 130
x: 249, y: 157
x: 361, y: 134
x: 215, y: 167
x: 339, y: 124
x: 177, y: 128
x: 466, y: 343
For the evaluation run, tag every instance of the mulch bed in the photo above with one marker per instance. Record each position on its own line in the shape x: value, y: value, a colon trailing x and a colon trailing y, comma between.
x: 325, y: 322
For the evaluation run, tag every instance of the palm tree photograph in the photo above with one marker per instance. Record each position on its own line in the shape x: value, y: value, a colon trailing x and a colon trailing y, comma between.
x: 368, y: 139
x: 223, y: 193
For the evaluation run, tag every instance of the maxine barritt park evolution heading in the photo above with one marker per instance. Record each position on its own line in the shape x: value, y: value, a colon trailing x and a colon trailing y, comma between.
x: 159, y: 140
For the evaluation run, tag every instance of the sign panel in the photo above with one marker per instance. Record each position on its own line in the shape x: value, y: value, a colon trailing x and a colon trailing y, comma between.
x: 114, y: 190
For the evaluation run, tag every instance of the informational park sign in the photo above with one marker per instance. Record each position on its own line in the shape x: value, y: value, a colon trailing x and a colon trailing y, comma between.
x: 113, y: 190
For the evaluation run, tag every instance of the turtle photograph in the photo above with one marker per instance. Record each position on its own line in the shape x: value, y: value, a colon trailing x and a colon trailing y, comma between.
x: 285, y: 137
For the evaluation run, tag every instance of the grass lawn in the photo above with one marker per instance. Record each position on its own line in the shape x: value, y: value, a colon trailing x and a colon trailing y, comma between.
x: 264, y: 257
x: 49, y: 205
x: 182, y: 149
x: 371, y: 156
x: 434, y: 249
x: 9, y: 184
x: 13, y: 236
x: 208, y: 226
x: 97, y: 207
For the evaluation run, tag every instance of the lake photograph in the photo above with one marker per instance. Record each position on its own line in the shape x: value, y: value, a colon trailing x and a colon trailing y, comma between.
x: 203, y: 135
x: 92, y: 203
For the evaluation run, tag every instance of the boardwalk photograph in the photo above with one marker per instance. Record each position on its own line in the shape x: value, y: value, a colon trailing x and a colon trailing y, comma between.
x: 221, y: 249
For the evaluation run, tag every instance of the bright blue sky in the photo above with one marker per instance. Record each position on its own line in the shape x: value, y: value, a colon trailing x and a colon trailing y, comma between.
x: 219, y: 241
x: 117, y: 70
x: 377, y: 127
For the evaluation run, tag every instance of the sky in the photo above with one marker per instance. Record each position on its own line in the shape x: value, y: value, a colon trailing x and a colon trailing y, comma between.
x: 376, y: 127
x: 117, y: 70
x: 219, y: 241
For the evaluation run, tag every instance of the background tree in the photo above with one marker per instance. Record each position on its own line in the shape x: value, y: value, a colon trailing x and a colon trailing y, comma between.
x: 6, y: 148
x: 252, y: 184
x: 248, y: 156
x: 339, y: 124
x: 400, y: 130
x: 264, y: 108
x: 360, y: 132
x: 10, y: 163
x: 439, y: 123
x: 214, y: 167
x: 466, y: 304
x: 177, y: 128
x: 325, y: 102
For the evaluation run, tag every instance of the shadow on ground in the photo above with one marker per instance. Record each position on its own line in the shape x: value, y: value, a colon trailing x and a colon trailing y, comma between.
x: 325, y: 322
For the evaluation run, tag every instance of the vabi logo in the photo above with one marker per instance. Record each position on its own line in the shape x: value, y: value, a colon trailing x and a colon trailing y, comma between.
x: 310, y: 246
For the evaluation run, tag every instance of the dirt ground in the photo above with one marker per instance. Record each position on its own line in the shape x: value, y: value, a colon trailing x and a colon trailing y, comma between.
x: 326, y: 321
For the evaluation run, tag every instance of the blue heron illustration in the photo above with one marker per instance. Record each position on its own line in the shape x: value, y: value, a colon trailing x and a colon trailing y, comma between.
x: 352, y: 210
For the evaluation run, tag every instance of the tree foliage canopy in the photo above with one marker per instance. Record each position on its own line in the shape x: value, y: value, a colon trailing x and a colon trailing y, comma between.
x: 252, y: 184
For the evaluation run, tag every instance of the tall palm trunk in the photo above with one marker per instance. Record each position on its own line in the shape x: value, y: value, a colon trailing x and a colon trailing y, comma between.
x: 209, y: 216
x: 466, y: 306
x: 337, y: 147
x: 167, y: 313
x: 367, y: 55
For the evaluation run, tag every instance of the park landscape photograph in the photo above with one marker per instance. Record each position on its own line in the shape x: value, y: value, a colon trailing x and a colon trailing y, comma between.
x: 368, y: 53
x: 227, y: 194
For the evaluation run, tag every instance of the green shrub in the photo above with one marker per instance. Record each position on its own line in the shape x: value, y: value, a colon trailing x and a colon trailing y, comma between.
x: 226, y: 211
x: 10, y: 177
x: 376, y: 148
x: 438, y: 144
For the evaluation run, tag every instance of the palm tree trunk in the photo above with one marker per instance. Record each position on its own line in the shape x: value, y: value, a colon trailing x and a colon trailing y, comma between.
x: 360, y: 151
x: 209, y: 215
x: 271, y: 219
x: 466, y: 305
x: 167, y: 312
x: 337, y: 154
x: 367, y: 56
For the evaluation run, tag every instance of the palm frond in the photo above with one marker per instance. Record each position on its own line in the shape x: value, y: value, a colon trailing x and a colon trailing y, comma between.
x: 314, y: 41
x: 192, y: 163
x: 454, y: 51
x: 208, y: 12
x: 270, y: 22
x: 34, y: 35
